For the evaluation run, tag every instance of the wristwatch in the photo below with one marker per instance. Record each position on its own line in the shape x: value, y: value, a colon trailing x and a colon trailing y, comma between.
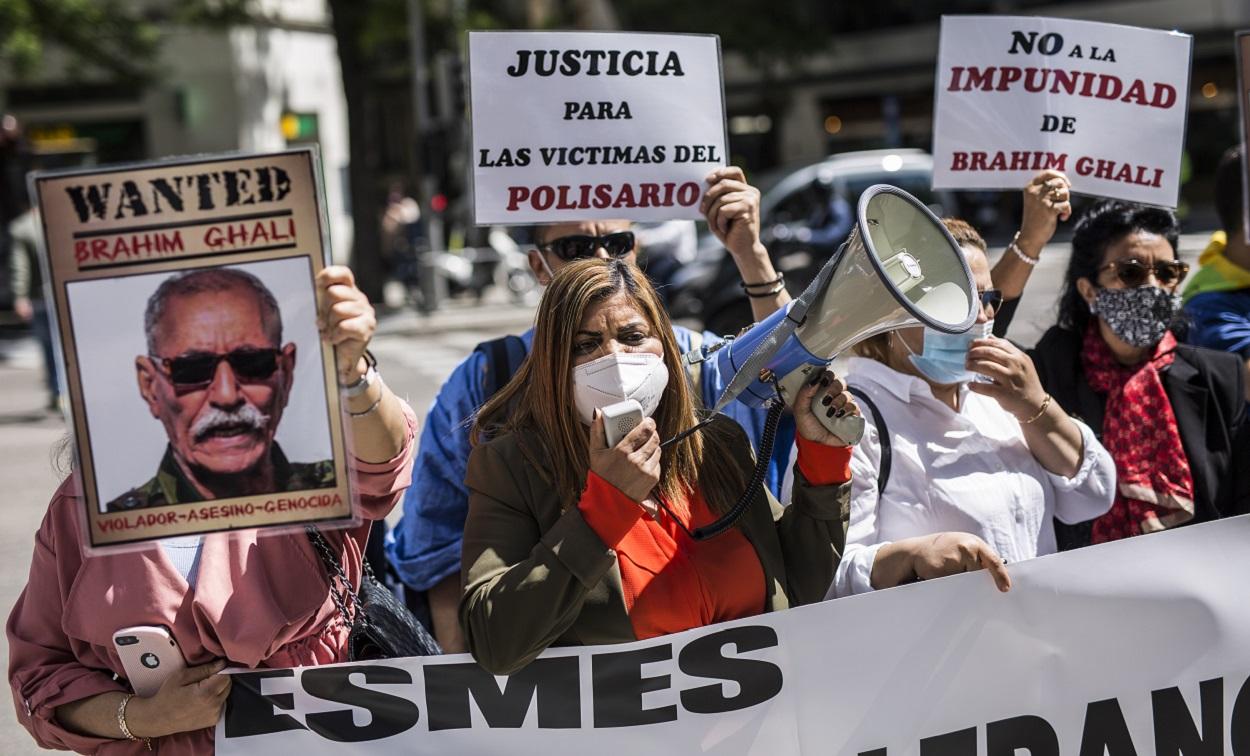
x: 362, y: 384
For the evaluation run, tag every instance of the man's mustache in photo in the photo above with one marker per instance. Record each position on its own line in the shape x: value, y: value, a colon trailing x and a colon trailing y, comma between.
x: 216, y: 421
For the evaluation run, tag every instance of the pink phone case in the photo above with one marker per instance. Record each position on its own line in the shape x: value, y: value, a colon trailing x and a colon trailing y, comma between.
x: 149, y: 654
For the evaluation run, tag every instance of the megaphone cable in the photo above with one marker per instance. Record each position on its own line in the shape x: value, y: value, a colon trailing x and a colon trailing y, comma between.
x: 763, y: 456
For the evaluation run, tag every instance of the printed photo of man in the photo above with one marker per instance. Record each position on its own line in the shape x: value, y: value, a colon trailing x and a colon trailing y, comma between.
x: 217, y: 376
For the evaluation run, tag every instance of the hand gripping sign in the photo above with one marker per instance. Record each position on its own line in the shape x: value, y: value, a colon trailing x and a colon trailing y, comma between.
x: 582, y: 126
x: 1104, y: 103
x: 201, y: 395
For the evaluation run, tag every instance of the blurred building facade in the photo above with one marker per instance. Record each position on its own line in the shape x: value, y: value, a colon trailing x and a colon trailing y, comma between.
x: 265, y: 85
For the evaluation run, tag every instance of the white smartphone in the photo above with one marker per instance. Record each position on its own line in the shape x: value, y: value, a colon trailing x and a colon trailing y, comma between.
x: 619, y: 419
x: 149, y: 654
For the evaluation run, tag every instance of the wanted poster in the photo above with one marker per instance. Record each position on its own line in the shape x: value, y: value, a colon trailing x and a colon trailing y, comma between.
x: 572, y: 126
x: 1106, y: 104
x: 201, y: 396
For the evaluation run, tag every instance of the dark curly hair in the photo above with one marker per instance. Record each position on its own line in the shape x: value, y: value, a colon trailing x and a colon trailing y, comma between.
x: 1228, y: 190
x: 1104, y: 224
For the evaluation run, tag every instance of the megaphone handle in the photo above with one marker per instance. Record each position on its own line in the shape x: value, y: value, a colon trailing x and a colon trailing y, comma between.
x: 849, y: 428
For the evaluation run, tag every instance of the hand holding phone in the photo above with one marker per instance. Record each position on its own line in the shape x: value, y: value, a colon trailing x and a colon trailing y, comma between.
x: 149, y: 655
x: 619, y: 419
x: 632, y: 464
x: 189, y: 700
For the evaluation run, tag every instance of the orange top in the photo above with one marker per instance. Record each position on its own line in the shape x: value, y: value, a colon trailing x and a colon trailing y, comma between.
x: 672, y: 582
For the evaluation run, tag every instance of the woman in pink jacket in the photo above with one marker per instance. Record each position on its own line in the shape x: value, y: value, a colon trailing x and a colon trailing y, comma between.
x: 243, y: 599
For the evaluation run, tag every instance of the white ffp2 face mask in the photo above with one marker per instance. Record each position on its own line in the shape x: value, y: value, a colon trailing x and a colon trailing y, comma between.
x: 640, y: 376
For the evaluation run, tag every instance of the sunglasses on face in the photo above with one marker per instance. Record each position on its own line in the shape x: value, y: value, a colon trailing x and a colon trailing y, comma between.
x: 568, y: 248
x: 1133, y: 273
x: 991, y: 300
x: 196, y: 370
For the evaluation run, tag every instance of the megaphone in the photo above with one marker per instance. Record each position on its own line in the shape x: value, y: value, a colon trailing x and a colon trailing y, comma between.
x: 900, y: 267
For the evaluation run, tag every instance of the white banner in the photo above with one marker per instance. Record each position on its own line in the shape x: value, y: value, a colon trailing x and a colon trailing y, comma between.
x: 593, y: 125
x: 1135, y: 647
x: 1104, y: 103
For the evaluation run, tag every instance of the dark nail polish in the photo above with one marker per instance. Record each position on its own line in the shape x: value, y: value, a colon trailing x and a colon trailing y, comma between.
x: 826, y: 400
x: 829, y: 412
x: 840, y: 413
x: 824, y: 381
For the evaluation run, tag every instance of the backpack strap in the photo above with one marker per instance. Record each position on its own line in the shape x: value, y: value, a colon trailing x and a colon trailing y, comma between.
x: 883, y: 435
x: 504, y: 356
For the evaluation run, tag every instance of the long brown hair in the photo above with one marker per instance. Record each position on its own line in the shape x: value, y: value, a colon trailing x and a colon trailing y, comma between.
x: 537, y: 404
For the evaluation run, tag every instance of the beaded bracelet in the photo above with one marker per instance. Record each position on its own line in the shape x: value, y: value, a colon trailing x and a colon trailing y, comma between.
x: 1027, y: 260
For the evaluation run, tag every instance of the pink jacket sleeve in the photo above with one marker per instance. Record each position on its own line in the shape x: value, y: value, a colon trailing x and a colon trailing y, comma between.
x: 44, y: 671
x: 381, y: 484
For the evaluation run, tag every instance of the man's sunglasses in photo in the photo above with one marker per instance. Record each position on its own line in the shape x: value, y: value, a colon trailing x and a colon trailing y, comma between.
x: 577, y: 246
x: 196, y: 370
x: 1133, y: 273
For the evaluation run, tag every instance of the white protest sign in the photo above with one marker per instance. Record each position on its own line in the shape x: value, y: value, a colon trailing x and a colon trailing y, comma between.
x: 1137, y: 646
x: 1104, y: 103
x: 581, y: 126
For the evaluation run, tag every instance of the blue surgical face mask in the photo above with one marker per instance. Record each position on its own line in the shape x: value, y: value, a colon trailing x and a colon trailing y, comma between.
x: 945, y: 355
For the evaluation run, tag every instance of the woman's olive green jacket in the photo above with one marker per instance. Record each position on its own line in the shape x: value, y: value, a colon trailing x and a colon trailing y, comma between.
x: 535, y: 576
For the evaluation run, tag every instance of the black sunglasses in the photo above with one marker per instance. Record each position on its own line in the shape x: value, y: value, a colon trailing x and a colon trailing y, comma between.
x: 568, y: 248
x: 1133, y: 273
x: 991, y: 299
x: 197, y: 370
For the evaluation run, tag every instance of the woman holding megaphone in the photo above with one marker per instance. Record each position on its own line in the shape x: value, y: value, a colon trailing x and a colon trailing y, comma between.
x: 572, y: 541
x: 964, y: 439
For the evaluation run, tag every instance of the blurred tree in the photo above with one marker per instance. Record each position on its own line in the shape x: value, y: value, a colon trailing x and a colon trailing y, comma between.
x: 107, y: 35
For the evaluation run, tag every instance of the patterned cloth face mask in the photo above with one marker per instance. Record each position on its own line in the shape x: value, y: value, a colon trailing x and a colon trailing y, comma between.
x: 1138, y: 316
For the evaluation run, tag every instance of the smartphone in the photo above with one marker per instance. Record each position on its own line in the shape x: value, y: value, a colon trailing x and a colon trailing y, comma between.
x: 149, y: 654
x: 619, y: 419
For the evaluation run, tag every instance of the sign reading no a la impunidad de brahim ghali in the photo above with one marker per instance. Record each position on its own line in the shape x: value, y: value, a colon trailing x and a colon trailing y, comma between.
x: 583, y: 126
x: 1104, y: 103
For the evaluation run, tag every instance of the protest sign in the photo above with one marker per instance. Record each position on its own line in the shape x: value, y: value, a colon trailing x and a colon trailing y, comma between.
x: 1243, y: 102
x: 1106, y: 104
x: 574, y: 126
x: 1136, y: 646
x: 201, y: 395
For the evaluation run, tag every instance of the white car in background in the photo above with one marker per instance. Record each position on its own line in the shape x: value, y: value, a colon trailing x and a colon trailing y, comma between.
x: 806, y: 213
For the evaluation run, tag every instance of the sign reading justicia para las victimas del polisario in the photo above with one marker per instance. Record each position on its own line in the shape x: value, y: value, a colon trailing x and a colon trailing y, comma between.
x: 1106, y: 104
x: 583, y: 126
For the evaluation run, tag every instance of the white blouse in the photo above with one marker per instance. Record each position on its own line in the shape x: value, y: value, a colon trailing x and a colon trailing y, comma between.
x: 967, y: 471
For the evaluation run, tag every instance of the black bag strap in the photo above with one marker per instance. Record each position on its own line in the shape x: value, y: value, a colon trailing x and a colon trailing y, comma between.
x: 504, y: 356
x: 341, y: 592
x: 883, y: 435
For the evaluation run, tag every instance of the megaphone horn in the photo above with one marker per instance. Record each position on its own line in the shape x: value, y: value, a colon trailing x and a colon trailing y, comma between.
x: 900, y: 267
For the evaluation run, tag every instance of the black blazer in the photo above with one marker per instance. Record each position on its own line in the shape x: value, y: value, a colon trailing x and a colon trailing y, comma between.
x: 1206, y: 389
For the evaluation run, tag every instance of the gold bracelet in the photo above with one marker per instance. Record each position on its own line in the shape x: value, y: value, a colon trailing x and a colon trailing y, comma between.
x: 1040, y: 412
x: 121, y: 722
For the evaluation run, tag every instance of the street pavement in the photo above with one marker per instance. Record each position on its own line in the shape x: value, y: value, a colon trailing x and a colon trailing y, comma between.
x: 415, y: 354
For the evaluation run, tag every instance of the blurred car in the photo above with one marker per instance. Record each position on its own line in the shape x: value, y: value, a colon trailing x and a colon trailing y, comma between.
x: 805, y: 214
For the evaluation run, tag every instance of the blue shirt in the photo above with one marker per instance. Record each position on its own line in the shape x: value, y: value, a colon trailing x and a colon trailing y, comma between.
x: 425, y: 548
x: 1220, y: 320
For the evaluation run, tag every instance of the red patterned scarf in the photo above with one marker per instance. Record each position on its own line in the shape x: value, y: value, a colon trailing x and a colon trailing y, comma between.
x: 1155, y: 487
